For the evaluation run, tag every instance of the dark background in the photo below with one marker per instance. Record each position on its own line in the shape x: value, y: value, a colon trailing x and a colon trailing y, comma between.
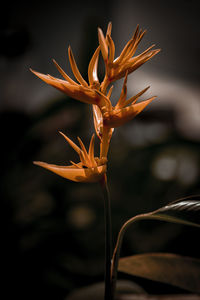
x: 53, y: 230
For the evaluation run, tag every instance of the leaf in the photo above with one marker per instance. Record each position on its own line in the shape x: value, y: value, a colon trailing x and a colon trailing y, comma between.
x: 184, y: 211
x: 179, y: 271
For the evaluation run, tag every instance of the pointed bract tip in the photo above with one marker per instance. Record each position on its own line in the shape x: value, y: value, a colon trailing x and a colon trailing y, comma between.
x: 61, y: 132
x: 32, y: 71
x: 38, y: 163
x: 35, y: 72
x: 157, y: 50
x: 109, y: 28
x: 103, y: 45
x: 69, y: 50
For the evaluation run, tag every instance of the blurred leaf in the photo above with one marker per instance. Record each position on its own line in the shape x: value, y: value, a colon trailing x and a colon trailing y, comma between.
x: 180, y: 271
x: 184, y: 211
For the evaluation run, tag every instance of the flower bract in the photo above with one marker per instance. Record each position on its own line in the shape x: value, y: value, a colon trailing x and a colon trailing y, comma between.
x: 89, y: 169
x: 116, y: 68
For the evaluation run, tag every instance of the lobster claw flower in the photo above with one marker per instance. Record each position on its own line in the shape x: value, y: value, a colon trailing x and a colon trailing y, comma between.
x: 124, y: 110
x: 108, y: 117
x: 118, y: 117
x: 80, y: 90
x: 117, y: 68
x: 89, y: 169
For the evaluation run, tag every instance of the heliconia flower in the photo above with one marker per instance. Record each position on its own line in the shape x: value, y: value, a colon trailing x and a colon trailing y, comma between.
x: 122, y: 112
x: 80, y: 90
x: 125, y: 110
x: 117, y: 68
x: 109, y: 117
x: 89, y: 169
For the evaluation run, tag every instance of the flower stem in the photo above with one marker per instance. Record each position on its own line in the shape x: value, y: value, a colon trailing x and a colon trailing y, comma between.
x: 105, y: 141
x: 116, y: 252
x: 108, y: 239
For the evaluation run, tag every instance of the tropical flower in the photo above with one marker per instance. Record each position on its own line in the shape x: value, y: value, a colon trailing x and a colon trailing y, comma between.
x: 81, y: 91
x: 125, y: 109
x: 106, y: 116
x: 110, y: 117
x: 89, y: 169
x: 94, y: 92
x: 117, y: 68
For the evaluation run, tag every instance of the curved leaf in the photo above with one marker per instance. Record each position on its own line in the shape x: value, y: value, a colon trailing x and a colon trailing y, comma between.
x: 185, y: 211
x: 180, y: 271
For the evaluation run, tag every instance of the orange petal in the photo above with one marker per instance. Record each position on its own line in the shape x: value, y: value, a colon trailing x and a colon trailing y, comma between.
x: 77, y: 92
x: 133, y: 99
x: 135, y: 36
x: 98, y: 120
x: 121, y: 116
x: 111, y: 49
x: 75, y: 174
x: 75, y: 69
x: 139, y: 60
x: 109, y: 29
x: 72, y: 144
x: 62, y: 72
x: 123, y: 94
x: 85, y: 154
x: 140, y: 36
x: 79, y: 165
x: 134, y: 63
x: 124, y: 52
x: 91, y: 151
x: 130, y: 47
x: 92, y: 68
x: 110, y: 92
x: 103, y: 44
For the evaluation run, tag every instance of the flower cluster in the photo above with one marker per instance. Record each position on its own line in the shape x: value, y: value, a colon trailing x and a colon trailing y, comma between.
x: 106, y: 116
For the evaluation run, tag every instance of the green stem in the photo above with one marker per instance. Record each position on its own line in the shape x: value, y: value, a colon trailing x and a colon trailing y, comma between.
x: 108, y: 239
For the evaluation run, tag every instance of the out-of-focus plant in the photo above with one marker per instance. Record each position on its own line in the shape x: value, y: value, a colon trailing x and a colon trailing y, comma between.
x: 173, y: 269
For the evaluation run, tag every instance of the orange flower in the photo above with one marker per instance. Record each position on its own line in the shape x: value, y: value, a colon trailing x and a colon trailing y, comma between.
x: 122, y: 112
x: 89, y: 169
x: 108, y: 117
x: 80, y: 91
x: 117, y: 68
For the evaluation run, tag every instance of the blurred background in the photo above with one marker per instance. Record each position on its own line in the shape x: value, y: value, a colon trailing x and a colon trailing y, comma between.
x: 53, y: 229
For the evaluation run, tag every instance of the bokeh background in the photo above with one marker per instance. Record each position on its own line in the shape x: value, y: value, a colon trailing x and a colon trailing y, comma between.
x: 53, y: 230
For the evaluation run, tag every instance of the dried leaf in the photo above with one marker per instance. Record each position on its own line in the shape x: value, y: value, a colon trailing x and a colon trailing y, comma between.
x: 180, y: 271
